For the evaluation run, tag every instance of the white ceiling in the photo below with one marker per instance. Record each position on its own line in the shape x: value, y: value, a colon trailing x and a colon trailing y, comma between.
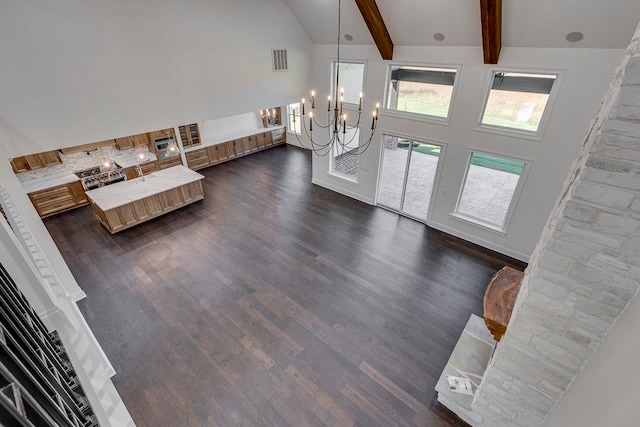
x: 606, y: 24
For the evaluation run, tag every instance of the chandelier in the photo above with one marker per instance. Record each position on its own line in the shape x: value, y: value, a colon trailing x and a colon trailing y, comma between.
x: 341, y: 135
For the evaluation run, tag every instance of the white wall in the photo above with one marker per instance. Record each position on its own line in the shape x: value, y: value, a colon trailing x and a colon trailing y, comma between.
x: 599, y: 395
x: 588, y: 74
x: 217, y: 127
x: 76, y: 72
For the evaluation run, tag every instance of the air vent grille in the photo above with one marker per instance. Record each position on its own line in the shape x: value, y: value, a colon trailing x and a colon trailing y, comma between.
x: 280, y: 60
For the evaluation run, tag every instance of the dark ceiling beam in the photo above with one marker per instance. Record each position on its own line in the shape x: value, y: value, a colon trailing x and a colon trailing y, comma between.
x: 491, y: 14
x: 375, y: 23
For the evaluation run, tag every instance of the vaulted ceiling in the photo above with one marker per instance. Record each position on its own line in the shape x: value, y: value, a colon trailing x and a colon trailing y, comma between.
x: 605, y: 24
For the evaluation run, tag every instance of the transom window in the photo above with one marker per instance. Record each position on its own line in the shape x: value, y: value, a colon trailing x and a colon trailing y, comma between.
x: 422, y: 91
x: 518, y: 102
x: 491, y: 186
x: 351, y: 79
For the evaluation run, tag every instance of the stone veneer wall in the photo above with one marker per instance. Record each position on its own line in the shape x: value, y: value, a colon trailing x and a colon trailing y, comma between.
x: 584, y: 270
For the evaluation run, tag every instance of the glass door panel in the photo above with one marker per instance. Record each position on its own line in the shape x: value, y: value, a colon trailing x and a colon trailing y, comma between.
x: 392, y: 175
x: 423, y: 165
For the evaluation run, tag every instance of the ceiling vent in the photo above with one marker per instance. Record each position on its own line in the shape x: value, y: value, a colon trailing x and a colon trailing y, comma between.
x: 279, y: 59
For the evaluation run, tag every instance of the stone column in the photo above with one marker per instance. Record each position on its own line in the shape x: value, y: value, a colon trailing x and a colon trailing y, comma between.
x: 584, y: 271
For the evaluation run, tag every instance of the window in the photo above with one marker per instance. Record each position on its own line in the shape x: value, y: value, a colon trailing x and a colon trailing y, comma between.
x: 351, y: 79
x: 423, y: 91
x: 293, y: 111
x: 518, y: 102
x: 489, y: 189
x: 344, y: 162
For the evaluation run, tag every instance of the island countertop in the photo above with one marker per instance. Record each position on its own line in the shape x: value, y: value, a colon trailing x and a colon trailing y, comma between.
x: 122, y: 193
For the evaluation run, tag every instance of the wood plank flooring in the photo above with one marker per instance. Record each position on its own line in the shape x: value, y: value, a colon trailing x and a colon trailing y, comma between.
x: 276, y: 302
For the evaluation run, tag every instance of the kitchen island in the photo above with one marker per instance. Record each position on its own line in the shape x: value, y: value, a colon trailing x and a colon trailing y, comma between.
x: 128, y: 203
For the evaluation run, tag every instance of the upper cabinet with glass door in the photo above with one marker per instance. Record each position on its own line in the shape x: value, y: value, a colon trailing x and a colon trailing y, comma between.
x: 420, y: 92
x: 518, y: 103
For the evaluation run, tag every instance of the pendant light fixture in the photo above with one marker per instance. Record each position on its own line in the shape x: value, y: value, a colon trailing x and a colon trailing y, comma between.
x: 172, y: 148
x: 341, y: 135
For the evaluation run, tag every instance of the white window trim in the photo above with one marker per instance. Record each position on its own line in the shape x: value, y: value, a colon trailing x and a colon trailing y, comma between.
x: 332, y: 79
x: 436, y: 180
x: 331, y: 173
x: 514, y: 199
x: 546, y: 115
x: 416, y: 116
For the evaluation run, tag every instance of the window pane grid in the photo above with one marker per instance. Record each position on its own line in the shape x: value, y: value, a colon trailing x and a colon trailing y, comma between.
x: 294, y: 126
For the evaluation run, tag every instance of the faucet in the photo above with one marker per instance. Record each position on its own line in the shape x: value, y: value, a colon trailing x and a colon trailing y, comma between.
x: 140, y: 174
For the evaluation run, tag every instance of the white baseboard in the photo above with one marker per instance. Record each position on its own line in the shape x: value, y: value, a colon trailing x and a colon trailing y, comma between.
x: 293, y: 141
x: 478, y: 241
x: 342, y: 191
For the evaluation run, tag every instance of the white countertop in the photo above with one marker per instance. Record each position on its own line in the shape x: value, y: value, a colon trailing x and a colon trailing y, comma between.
x: 206, y: 142
x: 115, y: 195
x: 48, y: 182
x: 66, y: 176
x: 125, y: 163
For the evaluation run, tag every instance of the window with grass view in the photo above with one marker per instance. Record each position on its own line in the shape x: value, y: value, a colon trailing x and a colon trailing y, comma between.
x: 351, y: 80
x: 294, y: 117
x: 421, y: 90
x: 489, y: 188
x: 517, y: 101
x: 344, y: 161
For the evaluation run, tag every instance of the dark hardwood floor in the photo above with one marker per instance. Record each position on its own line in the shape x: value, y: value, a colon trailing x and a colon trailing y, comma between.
x: 276, y: 302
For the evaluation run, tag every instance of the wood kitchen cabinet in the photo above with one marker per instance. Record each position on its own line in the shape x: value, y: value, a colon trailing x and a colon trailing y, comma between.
x: 88, y: 147
x: 149, y: 167
x: 224, y: 151
x: 239, y: 146
x: 132, y: 141
x: 35, y: 161
x: 190, y: 135
x: 170, y: 162
x: 197, y: 159
x: 58, y: 199
x: 161, y: 133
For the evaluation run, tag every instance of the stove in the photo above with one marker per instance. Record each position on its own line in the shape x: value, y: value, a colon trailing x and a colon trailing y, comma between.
x: 96, y: 177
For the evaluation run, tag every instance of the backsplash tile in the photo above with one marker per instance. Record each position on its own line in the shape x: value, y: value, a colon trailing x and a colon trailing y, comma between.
x: 81, y: 160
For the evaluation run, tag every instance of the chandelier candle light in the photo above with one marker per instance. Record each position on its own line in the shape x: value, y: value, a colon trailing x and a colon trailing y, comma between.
x: 336, y: 122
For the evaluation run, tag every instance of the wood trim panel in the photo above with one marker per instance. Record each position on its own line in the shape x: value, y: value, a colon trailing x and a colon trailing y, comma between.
x: 377, y: 28
x: 491, y: 15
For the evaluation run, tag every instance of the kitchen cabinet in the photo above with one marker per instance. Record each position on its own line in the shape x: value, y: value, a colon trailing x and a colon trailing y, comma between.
x: 197, y: 159
x: 231, y: 149
x: 261, y: 143
x: 170, y: 190
x: 88, y: 147
x: 149, y: 167
x: 58, y: 199
x: 161, y: 133
x: 268, y: 139
x: 170, y: 162
x: 124, y: 143
x: 146, y: 168
x: 279, y: 136
x: 132, y: 141
x: 239, y: 146
x: 35, y: 161
x: 190, y: 135
x: 213, y: 154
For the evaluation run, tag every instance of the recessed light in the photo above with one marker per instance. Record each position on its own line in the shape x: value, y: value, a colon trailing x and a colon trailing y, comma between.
x: 348, y: 37
x: 438, y: 36
x: 575, y: 36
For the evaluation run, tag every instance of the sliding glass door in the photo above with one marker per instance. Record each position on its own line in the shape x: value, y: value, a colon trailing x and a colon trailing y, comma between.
x: 408, y: 172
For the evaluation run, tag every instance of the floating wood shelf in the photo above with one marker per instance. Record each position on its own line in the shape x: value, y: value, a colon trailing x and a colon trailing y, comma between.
x: 500, y: 298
